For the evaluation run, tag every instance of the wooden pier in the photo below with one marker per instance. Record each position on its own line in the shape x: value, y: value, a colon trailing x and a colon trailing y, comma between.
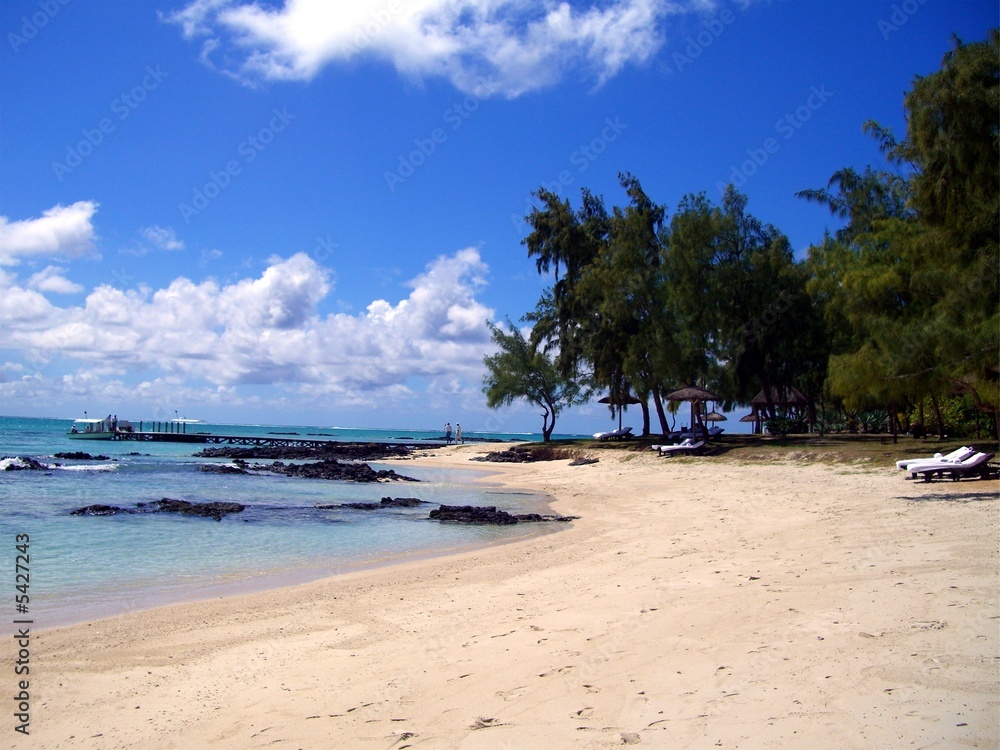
x: 266, y: 441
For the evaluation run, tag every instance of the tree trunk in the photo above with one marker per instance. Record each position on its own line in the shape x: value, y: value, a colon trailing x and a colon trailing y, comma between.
x: 660, y: 413
x: 645, y: 417
x: 893, y: 423
x: 546, y: 427
x: 937, y: 415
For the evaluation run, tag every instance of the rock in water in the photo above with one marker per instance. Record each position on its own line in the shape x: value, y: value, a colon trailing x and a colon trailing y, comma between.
x: 214, y: 510
x: 99, y: 510
x: 24, y: 463
x: 490, y: 514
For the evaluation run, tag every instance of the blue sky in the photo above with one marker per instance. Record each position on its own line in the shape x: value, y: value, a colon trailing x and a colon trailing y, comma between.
x: 295, y: 212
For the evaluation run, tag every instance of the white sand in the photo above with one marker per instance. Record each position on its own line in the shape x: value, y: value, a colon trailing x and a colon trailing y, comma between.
x: 697, y: 603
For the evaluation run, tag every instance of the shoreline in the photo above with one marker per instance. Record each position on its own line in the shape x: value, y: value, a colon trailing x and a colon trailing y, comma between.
x: 243, y: 584
x: 694, y: 603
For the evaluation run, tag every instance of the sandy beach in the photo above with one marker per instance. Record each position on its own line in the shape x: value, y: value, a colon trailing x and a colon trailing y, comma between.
x: 696, y: 603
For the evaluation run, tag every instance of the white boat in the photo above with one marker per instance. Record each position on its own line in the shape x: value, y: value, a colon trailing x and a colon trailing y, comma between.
x: 98, y: 429
x: 91, y: 429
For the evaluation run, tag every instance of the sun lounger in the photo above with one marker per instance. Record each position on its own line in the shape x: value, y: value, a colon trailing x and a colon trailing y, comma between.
x: 975, y: 465
x: 625, y: 433
x: 688, y: 447
x: 954, y: 457
x: 697, y: 433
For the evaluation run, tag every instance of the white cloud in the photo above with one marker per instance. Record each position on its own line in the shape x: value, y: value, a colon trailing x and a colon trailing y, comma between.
x: 51, y: 279
x: 266, y: 330
x: 500, y: 46
x: 163, y: 238
x: 61, y: 231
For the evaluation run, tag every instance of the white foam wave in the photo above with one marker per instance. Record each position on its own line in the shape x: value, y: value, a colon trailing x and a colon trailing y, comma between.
x: 88, y: 467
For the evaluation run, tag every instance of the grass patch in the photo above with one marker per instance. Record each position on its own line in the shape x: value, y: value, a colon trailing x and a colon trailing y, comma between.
x: 856, y: 450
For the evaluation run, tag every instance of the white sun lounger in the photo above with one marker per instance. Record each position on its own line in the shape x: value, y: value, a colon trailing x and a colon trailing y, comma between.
x: 954, y: 457
x: 687, y: 447
x: 975, y: 464
x: 625, y: 433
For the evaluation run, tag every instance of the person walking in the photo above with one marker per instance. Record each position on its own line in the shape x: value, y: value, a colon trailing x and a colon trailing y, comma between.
x: 447, y: 433
x: 458, y: 433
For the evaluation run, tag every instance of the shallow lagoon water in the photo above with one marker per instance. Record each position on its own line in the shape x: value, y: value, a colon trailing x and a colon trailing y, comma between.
x: 86, y: 567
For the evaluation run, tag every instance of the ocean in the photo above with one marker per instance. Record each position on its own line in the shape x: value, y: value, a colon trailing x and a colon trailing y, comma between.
x: 86, y: 567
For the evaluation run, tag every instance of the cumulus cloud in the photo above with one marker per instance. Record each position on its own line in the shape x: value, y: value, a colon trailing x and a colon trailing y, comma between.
x: 496, y: 46
x: 265, y: 330
x: 61, y: 231
x: 51, y: 279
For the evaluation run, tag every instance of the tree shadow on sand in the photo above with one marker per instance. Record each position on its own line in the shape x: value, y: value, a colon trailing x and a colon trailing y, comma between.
x: 955, y: 497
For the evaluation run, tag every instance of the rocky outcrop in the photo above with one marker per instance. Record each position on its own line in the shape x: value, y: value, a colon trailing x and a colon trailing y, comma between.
x: 333, y: 469
x: 386, y: 502
x: 525, y: 454
x: 24, y: 463
x: 214, y: 510
x: 99, y: 510
x: 343, y: 451
x: 489, y: 515
x: 80, y: 456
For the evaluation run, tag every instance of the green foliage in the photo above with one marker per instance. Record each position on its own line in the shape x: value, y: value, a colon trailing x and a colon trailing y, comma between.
x: 519, y: 370
x: 782, y: 426
x: 909, y: 288
x: 900, y: 305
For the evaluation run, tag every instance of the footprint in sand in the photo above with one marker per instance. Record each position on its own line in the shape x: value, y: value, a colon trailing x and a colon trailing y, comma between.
x: 512, y: 694
x: 558, y: 670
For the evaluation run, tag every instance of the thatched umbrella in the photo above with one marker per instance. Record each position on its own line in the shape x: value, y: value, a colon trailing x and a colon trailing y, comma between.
x: 714, y: 416
x: 621, y: 403
x: 695, y: 395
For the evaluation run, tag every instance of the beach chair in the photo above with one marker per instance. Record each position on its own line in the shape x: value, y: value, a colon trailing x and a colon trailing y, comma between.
x: 954, y: 457
x: 687, y: 447
x: 975, y: 465
x: 624, y: 433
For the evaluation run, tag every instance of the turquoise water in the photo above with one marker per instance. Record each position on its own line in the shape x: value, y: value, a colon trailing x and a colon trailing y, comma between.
x: 86, y: 567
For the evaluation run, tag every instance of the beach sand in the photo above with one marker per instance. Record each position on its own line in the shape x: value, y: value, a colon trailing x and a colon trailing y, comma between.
x: 697, y: 603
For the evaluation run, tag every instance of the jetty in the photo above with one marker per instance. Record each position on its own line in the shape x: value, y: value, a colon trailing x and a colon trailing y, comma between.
x: 267, y: 441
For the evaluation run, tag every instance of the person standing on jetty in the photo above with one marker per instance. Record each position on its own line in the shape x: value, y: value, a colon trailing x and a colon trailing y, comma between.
x: 458, y: 432
x: 447, y: 433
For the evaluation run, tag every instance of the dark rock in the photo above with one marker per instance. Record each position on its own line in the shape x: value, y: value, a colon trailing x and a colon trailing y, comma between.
x: 519, y: 455
x: 582, y: 461
x: 386, y: 502
x: 333, y: 469
x: 214, y: 510
x: 489, y: 514
x: 80, y: 456
x: 223, y: 469
x: 473, y: 514
x: 344, y: 451
x: 25, y: 463
x: 99, y: 510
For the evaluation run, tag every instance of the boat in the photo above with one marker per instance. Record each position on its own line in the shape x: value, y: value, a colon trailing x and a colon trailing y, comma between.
x: 91, y: 429
x: 98, y: 429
